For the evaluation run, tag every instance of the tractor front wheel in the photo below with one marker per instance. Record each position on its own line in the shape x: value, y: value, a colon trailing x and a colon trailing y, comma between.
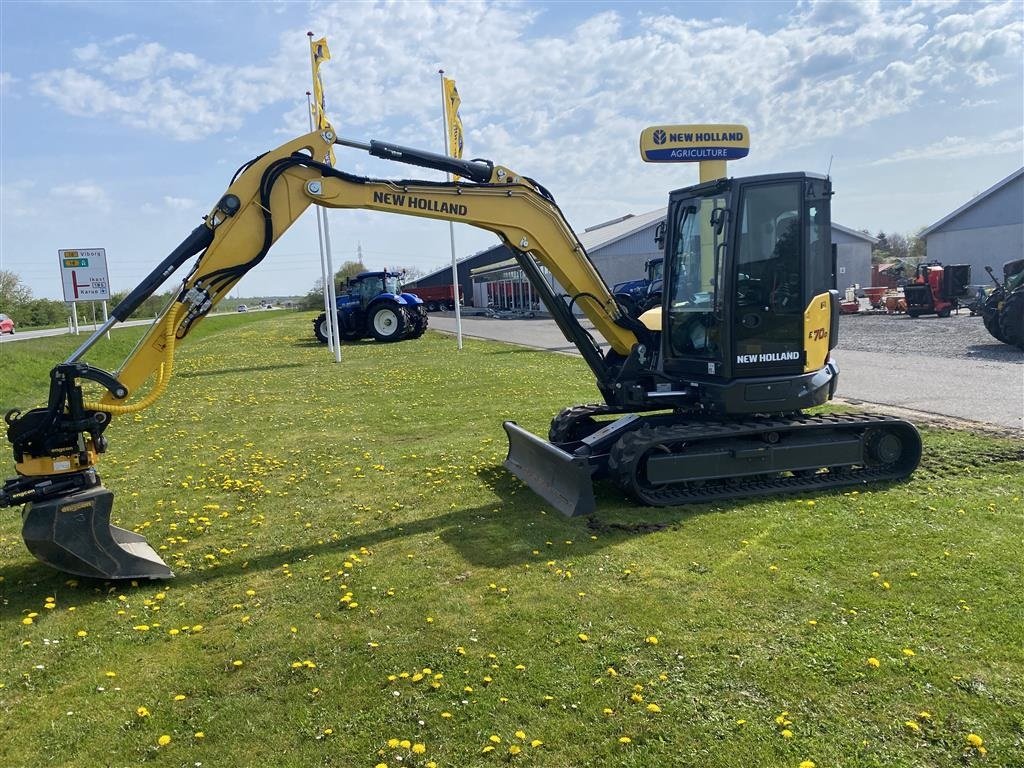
x: 387, y: 323
x: 320, y: 328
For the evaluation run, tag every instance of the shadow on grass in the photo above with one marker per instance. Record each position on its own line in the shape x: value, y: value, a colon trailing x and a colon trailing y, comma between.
x: 496, y: 535
x: 247, y: 369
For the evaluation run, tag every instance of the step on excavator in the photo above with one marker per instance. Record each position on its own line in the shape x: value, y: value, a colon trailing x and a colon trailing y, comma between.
x: 703, y: 397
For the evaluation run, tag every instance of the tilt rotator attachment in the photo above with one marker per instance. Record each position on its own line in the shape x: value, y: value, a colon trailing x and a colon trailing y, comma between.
x: 66, y: 514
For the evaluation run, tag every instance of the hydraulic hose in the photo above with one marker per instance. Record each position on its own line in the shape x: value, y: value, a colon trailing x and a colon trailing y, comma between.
x: 163, y: 377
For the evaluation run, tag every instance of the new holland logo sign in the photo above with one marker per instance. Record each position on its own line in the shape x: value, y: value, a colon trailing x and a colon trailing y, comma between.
x: 694, y: 143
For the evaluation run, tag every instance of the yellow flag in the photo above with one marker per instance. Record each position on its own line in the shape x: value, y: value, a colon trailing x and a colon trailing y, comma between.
x: 320, y: 53
x: 451, y: 110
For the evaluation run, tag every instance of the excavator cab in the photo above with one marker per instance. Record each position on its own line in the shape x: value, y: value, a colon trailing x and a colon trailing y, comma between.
x: 745, y: 259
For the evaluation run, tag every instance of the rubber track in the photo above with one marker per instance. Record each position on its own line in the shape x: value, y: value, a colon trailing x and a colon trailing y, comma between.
x: 565, y: 427
x: 625, y: 460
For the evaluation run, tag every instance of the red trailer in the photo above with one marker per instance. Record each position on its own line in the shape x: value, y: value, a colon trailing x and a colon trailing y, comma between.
x: 437, y: 297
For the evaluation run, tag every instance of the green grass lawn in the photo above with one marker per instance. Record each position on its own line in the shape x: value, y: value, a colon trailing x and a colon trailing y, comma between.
x: 359, y: 582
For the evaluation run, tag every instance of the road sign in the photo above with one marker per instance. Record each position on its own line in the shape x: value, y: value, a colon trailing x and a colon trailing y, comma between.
x: 84, y: 274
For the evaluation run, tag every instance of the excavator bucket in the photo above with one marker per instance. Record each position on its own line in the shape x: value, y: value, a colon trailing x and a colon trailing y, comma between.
x: 561, y: 479
x: 73, y: 534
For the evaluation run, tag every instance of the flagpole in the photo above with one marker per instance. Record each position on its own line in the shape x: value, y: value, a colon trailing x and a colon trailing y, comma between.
x: 330, y: 297
x: 323, y: 256
x: 451, y: 225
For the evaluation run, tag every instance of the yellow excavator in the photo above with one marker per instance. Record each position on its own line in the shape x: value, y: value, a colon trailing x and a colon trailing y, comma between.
x: 703, y: 397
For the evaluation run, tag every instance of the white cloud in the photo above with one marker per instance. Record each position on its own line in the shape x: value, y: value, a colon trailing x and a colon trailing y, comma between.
x: 84, y: 194
x: 962, y: 148
x: 180, y: 203
x: 7, y: 80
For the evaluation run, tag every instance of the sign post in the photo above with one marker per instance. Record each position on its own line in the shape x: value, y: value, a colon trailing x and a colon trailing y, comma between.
x: 709, y: 145
x: 83, y: 273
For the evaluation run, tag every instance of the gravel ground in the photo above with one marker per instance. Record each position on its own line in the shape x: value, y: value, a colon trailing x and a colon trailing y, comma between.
x: 958, y: 336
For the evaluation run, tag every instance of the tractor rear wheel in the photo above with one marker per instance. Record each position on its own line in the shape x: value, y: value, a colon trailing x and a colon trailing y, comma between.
x: 1011, y: 319
x: 387, y: 322
x: 418, y: 322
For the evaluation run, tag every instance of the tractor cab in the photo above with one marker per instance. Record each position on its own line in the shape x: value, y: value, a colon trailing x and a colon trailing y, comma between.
x: 367, y: 286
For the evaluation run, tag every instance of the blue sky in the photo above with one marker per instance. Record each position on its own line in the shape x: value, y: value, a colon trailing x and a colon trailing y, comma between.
x: 122, y: 123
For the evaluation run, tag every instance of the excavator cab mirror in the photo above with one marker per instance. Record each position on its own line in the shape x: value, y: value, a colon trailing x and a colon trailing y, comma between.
x: 659, y: 237
x: 718, y: 220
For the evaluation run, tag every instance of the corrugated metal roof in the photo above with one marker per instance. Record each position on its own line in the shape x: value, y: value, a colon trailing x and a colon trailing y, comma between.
x: 972, y: 202
x: 855, y: 233
x: 613, y: 231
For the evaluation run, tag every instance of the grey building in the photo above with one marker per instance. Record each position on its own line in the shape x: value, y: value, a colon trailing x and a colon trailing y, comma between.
x: 853, y: 256
x: 987, y: 230
x: 619, y: 249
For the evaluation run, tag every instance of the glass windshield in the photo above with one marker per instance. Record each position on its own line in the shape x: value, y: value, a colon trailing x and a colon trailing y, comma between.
x: 769, y: 296
x: 391, y: 285
x: 655, y: 270
x: 694, y: 307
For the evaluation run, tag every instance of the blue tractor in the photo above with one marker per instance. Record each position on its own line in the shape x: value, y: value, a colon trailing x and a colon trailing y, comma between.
x: 640, y: 295
x: 374, y: 305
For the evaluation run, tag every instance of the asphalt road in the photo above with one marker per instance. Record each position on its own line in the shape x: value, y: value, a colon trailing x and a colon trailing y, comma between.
x: 947, y: 368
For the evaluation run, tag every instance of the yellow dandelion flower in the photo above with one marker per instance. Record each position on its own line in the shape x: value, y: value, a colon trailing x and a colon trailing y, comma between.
x: 807, y: 764
x: 142, y: 712
x: 873, y: 662
x: 652, y: 640
x: 237, y: 663
x: 515, y: 749
x: 199, y: 735
x: 419, y: 749
x: 974, y: 740
x: 81, y: 633
x: 908, y: 652
x: 381, y: 765
x: 494, y: 739
x: 924, y: 715
x: 536, y: 743
x: 521, y: 735
x: 582, y: 637
x: 608, y: 711
x: 625, y: 740
x: 786, y: 733
x: 653, y: 708
x: 487, y: 748
x: 446, y: 715
x: 911, y: 725
x: 110, y: 674
x: 28, y: 620
x: 636, y: 698
x: 405, y: 744
x: 393, y: 743
x: 164, y: 740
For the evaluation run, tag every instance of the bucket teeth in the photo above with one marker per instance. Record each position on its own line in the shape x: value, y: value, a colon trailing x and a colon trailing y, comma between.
x: 73, y: 534
x: 563, y: 480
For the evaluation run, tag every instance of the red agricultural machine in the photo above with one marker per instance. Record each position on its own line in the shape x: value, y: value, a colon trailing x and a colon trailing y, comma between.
x: 937, y: 289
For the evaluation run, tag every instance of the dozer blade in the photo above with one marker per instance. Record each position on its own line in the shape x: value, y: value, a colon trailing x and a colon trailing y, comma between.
x: 561, y: 479
x: 73, y: 534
